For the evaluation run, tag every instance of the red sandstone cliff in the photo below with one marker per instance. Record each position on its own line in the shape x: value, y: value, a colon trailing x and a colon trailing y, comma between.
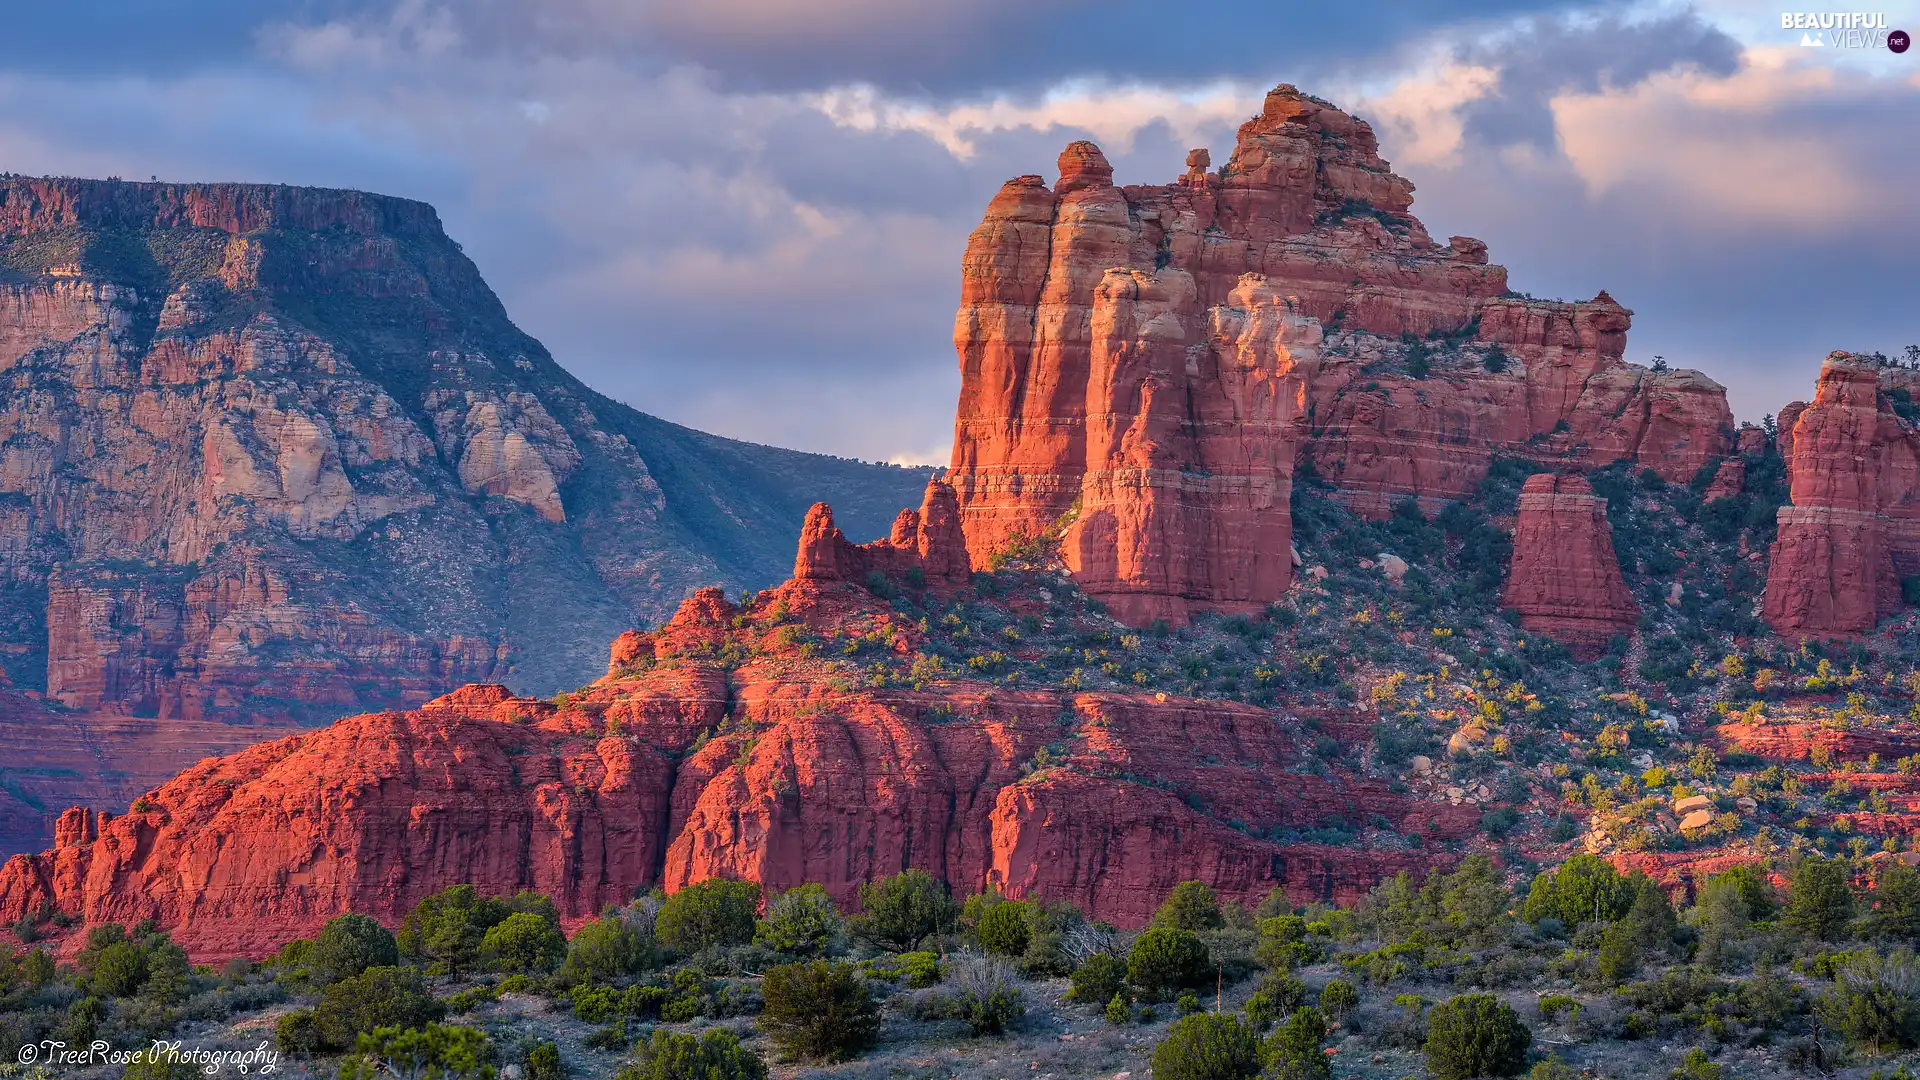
x: 1140, y: 366
x: 675, y: 768
x: 1854, y: 526
x: 1565, y: 581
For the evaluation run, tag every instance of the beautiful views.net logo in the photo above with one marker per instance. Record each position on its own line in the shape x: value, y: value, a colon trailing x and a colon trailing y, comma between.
x: 1845, y: 30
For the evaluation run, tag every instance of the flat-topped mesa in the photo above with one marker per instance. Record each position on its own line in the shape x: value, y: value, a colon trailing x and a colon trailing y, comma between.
x: 1087, y: 307
x: 39, y: 204
x: 1565, y: 579
x: 1853, y: 527
x: 928, y: 540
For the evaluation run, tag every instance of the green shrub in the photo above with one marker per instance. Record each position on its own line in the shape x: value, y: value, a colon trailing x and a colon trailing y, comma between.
x: 1872, y: 1001
x: 298, y: 1032
x: 1118, y: 1011
x: 524, y: 942
x: 377, y: 997
x: 1190, y: 906
x: 349, y: 945
x: 607, y: 949
x: 1695, y: 1066
x: 118, y: 970
x: 543, y: 1063
x: 1819, y: 901
x: 1553, y: 1005
x: 1281, y: 945
x: 1206, y: 1046
x: 820, y: 1011
x: 1338, y: 999
x: 715, y: 1055
x: 433, y: 1052
x: 1293, y: 1051
x: 802, y: 922
x: 1006, y: 928
x: 1585, y: 888
x: 898, y: 912
x: 447, y: 928
x: 1164, y: 960
x: 1279, y: 995
x: 1098, y: 978
x: 709, y: 913
x: 921, y: 969
x: 1475, y: 1035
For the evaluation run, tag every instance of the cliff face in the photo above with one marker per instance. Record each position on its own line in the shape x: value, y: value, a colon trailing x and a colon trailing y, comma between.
x: 1565, y: 580
x: 1853, y: 529
x: 273, y: 454
x: 1141, y: 366
x: 678, y: 766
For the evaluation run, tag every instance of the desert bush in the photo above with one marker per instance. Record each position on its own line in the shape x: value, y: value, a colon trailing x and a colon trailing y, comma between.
x: 1338, y: 999
x: 433, y: 1052
x: 1585, y: 888
x: 1164, y: 960
x: 898, y: 912
x: 349, y: 945
x: 1098, y: 978
x: 1475, y: 1035
x: 803, y: 921
x: 820, y: 1010
x: 377, y: 997
x: 1006, y: 928
x: 524, y: 943
x: 1190, y: 906
x: 298, y: 1032
x: 1873, y: 1001
x: 607, y: 949
x: 715, y: 1055
x: 1206, y: 1046
x: 1293, y: 1051
x: 715, y: 912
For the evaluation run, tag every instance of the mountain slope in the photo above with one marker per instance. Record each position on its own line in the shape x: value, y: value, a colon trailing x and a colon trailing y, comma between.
x: 275, y: 452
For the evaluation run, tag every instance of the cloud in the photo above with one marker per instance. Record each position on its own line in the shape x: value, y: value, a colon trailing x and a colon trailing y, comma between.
x: 1544, y: 58
x: 763, y: 240
x: 1755, y: 218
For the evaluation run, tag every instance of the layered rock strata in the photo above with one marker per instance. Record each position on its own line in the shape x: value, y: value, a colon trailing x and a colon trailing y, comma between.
x: 277, y: 454
x: 1565, y: 580
x: 677, y: 767
x: 1141, y: 366
x: 927, y: 540
x: 1852, y: 530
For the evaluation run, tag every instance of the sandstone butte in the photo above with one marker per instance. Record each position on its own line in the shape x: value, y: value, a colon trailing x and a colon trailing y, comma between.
x: 1565, y: 579
x: 1852, y: 530
x: 1143, y: 366
x: 672, y: 769
x: 274, y: 454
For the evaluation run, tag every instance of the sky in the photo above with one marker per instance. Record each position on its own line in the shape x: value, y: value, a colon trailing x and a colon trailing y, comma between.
x: 747, y: 215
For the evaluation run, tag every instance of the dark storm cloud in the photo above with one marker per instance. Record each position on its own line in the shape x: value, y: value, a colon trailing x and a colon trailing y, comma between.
x: 1546, y: 57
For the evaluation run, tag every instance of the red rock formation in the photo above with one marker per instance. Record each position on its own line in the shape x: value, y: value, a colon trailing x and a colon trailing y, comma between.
x: 59, y: 758
x: 775, y: 771
x: 1728, y: 480
x: 272, y: 453
x: 1854, y: 524
x: 928, y: 540
x: 1140, y: 365
x: 1565, y: 581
